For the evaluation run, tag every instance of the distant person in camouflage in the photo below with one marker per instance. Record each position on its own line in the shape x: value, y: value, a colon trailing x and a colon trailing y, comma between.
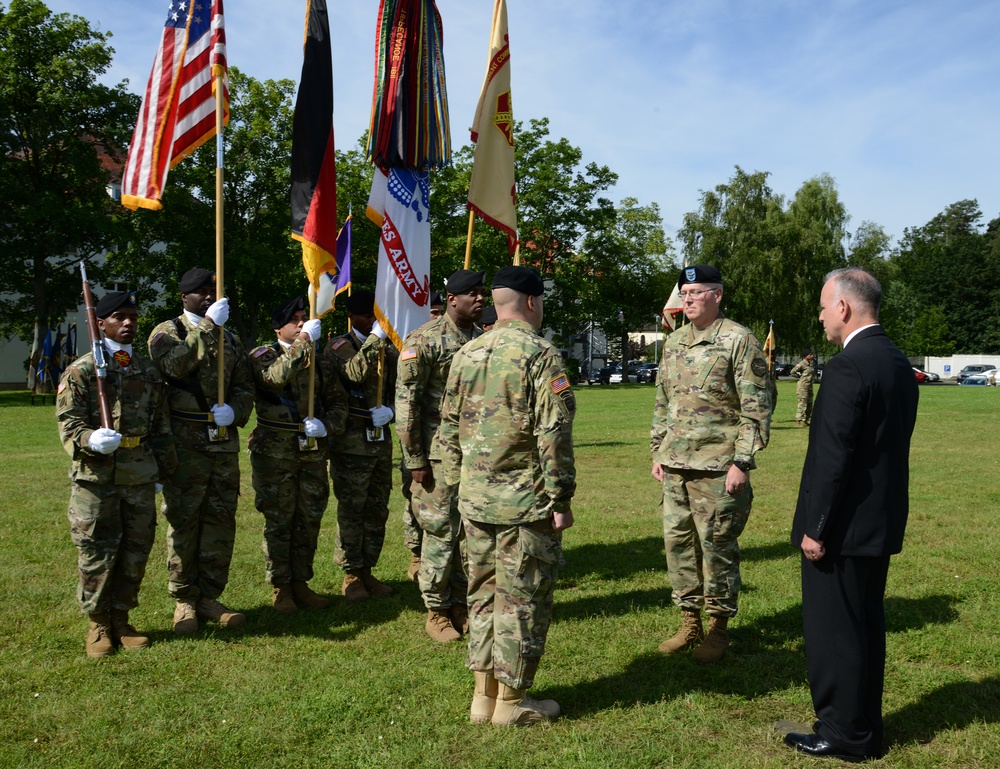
x: 806, y: 371
x: 506, y: 441
x: 712, y: 414
x: 112, y: 505
x: 288, y: 452
x: 424, y: 363
x: 361, y: 458
x: 200, y: 499
x: 488, y: 318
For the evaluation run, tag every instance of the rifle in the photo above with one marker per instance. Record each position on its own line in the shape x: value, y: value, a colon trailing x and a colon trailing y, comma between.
x: 97, y: 347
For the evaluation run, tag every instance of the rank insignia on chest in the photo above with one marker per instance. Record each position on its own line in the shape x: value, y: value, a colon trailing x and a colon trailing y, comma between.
x: 408, y: 354
x: 559, y: 384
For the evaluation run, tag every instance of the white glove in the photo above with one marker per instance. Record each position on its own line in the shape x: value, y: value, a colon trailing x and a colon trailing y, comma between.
x: 104, y: 440
x: 381, y: 415
x: 157, y: 488
x: 314, y: 427
x: 313, y: 328
x: 223, y: 414
x: 218, y: 313
x: 378, y: 331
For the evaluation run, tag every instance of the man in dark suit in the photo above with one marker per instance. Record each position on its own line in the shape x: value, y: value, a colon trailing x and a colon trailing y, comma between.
x: 850, y: 517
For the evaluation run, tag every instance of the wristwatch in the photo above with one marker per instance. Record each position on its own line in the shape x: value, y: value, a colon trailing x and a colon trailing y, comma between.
x: 744, y: 466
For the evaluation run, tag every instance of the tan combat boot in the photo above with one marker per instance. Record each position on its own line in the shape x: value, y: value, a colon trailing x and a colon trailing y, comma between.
x: 304, y: 596
x: 354, y: 587
x: 125, y: 634
x: 282, y: 600
x: 99, y: 639
x: 414, y: 568
x: 688, y: 636
x: 210, y: 608
x: 439, y: 627
x: 515, y: 708
x: 373, y: 585
x: 185, y: 618
x: 459, y: 613
x: 716, y: 642
x: 484, y: 698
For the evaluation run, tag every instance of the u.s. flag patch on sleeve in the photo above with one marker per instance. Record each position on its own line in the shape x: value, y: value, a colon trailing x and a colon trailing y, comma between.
x: 408, y: 354
x: 559, y: 384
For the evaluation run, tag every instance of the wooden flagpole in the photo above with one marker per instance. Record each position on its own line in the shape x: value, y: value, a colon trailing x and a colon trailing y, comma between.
x: 219, y: 235
x: 468, y: 240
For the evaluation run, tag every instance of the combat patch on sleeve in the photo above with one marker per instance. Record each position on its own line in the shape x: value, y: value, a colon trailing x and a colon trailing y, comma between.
x: 156, y: 338
x: 560, y: 386
x: 759, y: 367
x: 408, y: 354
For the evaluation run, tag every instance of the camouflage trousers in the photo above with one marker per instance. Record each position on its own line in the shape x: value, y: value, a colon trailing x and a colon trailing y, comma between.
x: 362, y: 485
x: 701, y: 523
x: 441, y: 577
x: 803, y: 412
x: 292, y: 496
x: 413, y: 535
x: 199, y: 503
x: 512, y: 581
x: 113, y: 528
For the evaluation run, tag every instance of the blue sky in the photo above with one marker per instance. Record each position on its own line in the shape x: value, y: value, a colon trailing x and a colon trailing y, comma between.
x: 896, y: 100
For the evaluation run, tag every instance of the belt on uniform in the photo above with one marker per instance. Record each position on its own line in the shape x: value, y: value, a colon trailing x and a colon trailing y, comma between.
x: 295, y: 427
x: 360, y: 413
x: 133, y: 441
x: 193, y: 416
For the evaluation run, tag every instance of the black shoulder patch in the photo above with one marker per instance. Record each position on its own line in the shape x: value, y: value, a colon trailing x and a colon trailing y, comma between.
x: 759, y: 367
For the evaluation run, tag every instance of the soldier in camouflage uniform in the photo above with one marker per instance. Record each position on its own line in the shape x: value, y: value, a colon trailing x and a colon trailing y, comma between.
x: 424, y: 363
x: 112, y: 506
x: 288, y: 452
x: 199, y: 501
x: 506, y: 440
x: 361, y: 459
x: 412, y: 533
x: 806, y: 371
x: 712, y: 414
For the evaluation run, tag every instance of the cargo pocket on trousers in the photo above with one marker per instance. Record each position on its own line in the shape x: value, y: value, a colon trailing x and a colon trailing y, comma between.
x: 539, y: 555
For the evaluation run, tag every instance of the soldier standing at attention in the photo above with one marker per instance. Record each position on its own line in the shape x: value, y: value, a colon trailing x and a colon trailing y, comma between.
x: 506, y: 441
x: 805, y: 370
x: 423, y: 372
x: 112, y: 505
x: 288, y: 452
x: 199, y: 501
x: 361, y: 460
x: 712, y: 414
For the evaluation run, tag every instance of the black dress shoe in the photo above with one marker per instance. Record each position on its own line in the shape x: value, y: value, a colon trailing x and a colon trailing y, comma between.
x: 814, y: 745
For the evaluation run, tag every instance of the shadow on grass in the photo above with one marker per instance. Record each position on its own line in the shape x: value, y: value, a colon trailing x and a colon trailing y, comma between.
x: 767, y: 655
x: 9, y: 398
x: 601, y: 444
x: 952, y: 706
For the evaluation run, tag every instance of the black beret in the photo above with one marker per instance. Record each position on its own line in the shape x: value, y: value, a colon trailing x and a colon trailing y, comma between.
x: 284, y: 312
x: 195, y: 278
x: 461, y: 281
x: 437, y: 298
x: 522, y: 279
x: 806, y: 352
x: 111, y: 302
x: 361, y: 302
x: 699, y: 273
x: 489, y: 316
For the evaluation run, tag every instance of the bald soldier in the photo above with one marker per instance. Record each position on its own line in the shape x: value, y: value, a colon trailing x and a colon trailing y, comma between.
x: 712, y: 415
x: 112, y: 506
x: 424, y: 363
x: 199, y: 500
x: 506, y: 441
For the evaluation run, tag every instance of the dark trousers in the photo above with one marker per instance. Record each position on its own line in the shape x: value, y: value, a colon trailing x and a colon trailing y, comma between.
x: 843, y: 616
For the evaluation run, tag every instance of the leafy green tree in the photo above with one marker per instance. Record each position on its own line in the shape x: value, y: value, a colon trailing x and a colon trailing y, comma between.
x: 60, y: 137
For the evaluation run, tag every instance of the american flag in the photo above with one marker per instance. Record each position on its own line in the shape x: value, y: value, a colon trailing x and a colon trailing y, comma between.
x: 178, y: 109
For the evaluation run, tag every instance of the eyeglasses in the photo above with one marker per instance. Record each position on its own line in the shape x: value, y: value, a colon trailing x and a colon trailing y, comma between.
x: 694, y: 293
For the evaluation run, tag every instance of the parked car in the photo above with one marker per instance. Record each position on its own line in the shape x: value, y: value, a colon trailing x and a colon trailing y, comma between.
x: 988, y: 377
x: 616, y: 375
x: 925, y: 376
x: 783, y: 369
x: 975, y: 368
x: 599, y: 376
x: 646, y: 373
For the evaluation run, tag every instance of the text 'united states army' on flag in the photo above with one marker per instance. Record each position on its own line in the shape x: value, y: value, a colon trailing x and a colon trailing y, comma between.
x: 178, y: 108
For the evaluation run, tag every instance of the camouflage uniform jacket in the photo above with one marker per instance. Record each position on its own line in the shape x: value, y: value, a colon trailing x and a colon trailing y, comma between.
x: 806, y: 370
x: 281, y: 381
x: 357, y: 366
x: 423, y: 372
x: 713, y: 405
x: 506, y: 433
x: 138, y: 401
x: 186, y: 358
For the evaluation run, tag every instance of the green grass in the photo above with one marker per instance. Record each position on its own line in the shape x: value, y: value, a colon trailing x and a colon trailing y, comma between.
x: 363, y: 686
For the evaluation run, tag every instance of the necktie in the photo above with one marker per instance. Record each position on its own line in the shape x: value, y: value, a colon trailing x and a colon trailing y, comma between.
x: 122, y: 358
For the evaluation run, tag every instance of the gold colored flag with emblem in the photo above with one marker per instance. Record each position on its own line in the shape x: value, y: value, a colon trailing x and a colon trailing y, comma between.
x: 492, y: 192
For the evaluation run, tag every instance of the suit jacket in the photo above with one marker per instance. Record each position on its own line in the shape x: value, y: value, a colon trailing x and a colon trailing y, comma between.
x: 854, y: 494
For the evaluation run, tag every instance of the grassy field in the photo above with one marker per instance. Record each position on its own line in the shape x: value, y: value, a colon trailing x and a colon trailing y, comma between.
x: 363, y: 686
